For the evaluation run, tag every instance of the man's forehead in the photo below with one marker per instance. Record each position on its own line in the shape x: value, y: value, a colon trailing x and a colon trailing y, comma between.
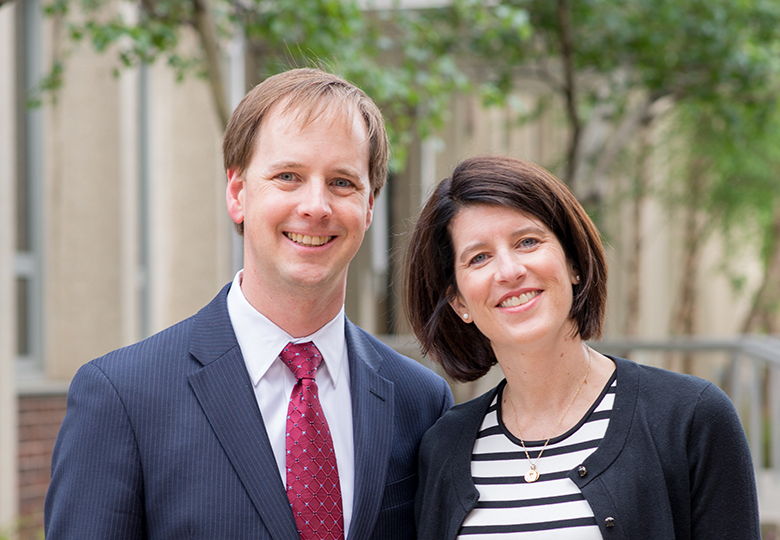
x: 300, y: 114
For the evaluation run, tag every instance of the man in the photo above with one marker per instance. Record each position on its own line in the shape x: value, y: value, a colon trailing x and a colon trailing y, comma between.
x: 214, y: 428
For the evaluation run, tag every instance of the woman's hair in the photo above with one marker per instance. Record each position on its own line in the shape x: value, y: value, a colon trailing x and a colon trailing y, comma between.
x: 462, y: 350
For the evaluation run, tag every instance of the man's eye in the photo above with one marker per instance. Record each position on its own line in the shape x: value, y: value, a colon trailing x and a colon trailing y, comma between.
x: 342, y: 182
x: 286, y: 176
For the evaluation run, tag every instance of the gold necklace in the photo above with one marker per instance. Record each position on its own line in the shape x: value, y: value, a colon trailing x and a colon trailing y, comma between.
x: 533, y: 474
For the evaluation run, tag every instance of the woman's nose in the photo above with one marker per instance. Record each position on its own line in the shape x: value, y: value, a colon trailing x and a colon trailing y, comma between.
x: 510, y: 268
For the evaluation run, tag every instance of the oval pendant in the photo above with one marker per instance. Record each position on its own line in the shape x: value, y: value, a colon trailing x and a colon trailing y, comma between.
x: 531, y: 476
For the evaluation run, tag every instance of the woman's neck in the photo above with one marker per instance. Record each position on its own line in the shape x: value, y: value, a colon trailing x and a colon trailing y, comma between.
x: 550, y: 389
x: 544, y: 376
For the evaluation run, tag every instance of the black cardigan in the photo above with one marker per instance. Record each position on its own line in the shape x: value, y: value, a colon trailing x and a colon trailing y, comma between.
x: 673, y: 464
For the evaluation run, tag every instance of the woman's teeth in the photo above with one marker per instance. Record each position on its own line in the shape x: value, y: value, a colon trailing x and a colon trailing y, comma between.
x: 519, y: 300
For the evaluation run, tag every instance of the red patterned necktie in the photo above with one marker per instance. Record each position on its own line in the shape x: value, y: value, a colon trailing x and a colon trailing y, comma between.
x: 312, y: 475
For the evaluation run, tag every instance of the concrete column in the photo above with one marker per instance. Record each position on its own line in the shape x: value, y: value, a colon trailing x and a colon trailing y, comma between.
x: 129, y: 175
x: 82, y: 214
x: 8, y: 402
x: 186, y: 208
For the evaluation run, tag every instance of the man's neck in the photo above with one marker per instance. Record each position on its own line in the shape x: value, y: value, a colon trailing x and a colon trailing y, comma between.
x: 299, y: 313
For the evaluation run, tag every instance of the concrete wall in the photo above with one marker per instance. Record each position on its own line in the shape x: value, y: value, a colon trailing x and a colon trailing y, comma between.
x: 190, y: 231
x: 93, y: 215
x: 82, y: 215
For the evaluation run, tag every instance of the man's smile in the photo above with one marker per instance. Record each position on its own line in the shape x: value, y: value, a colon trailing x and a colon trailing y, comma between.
x: 308, y: 241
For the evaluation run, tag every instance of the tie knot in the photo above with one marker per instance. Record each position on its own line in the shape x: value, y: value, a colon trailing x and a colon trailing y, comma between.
x: 303, y: 359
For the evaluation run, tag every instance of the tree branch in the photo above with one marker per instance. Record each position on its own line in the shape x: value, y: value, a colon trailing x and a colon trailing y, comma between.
x: 647, y: 111
x: 543, y: 75
x: 149, y: 9
x: 207, y: 30
x: 763, y: 311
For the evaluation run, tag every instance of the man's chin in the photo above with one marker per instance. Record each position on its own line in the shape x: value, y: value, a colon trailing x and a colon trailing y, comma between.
x: 316, y: 279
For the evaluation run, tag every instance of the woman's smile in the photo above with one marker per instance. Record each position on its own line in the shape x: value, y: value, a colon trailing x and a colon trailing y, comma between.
x: 520, y: 300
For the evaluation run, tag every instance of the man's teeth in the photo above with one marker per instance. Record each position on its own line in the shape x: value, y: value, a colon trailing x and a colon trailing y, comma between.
x: 519, y: 300
x: 306, y: 240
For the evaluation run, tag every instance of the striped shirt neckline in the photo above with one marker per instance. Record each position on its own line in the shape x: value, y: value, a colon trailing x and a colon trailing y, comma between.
x: 551, y: 508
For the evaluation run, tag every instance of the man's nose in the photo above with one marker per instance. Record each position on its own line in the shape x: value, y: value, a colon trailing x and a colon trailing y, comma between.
x: 315, y: 200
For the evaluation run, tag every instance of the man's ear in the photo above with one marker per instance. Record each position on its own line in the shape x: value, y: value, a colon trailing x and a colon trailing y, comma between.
x: 235, y: 195
x: 370, y: 211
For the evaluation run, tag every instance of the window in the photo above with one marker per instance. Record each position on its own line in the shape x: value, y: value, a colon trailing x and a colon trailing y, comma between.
x: 28, y: 188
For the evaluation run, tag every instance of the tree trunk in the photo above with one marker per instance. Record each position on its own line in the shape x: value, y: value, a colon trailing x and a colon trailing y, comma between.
x: 683, y: 321
x: 569, y: 91
x: 206, y: 28
x: 634, y: 266
x: 765, y: 313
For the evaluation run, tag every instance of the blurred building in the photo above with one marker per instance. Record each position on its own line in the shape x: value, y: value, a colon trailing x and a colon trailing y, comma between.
x: 113, y: 226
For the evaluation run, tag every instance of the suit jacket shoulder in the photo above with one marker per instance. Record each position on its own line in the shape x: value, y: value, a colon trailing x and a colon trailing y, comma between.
x: 164, y: 439
x: 403, y: 371
x: 394, y: 402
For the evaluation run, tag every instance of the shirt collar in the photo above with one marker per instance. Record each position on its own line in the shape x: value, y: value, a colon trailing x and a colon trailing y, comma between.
x: 261, y: 340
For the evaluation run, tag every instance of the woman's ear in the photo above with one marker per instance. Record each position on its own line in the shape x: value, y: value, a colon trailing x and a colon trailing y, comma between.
x: 574, y: 275
x: 459, y: 307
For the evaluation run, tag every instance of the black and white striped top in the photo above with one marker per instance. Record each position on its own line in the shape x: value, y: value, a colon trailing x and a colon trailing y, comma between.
x: 551, y: 508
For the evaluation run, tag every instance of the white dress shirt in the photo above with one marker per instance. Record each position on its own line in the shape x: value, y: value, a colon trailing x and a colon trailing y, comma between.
x: 261, y: 342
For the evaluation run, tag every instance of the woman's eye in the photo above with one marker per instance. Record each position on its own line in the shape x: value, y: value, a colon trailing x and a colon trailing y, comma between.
x: 478, y: 259
x: 528, y: 242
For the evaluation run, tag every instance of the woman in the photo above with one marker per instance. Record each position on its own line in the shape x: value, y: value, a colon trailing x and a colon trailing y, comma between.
x: 506, y: 267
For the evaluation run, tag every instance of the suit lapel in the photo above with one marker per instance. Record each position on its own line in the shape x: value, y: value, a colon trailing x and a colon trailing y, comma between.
x: 372, y: 424
x: 225, y: 393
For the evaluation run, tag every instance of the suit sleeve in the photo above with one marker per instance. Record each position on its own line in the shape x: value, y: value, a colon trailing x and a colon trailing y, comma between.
x: 96, y: 486
x: 723, y: 489
x: 447, y: 400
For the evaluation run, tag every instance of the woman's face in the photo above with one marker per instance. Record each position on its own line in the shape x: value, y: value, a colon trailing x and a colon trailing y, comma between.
x: 513, y: 277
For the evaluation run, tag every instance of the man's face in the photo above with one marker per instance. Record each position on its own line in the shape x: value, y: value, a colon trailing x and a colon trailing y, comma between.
x: 305, y: 201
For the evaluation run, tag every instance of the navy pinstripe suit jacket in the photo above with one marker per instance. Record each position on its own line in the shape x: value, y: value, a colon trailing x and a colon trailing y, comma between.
x: 164, y: 440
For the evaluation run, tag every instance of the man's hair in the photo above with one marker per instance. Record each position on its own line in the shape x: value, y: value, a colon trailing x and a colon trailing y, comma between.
x: 462, y: 350
x: 310, y: 94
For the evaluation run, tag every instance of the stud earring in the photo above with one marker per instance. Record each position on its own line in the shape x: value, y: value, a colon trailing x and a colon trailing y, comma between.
x: 577, y: 278
x: 465, y: 316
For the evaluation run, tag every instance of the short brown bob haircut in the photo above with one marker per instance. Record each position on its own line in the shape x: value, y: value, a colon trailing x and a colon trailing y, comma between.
x: 462, y: 350
x: 308, y: 93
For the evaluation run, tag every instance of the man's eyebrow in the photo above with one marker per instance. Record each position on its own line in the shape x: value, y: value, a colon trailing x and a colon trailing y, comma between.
x: 291, y: 164
x: 347, y: 171
x: 297, y: 164
x: 285, y: 165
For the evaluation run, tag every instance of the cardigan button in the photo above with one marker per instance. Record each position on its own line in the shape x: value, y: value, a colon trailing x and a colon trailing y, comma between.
x: 582, y: 470
x: 609, y: 522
